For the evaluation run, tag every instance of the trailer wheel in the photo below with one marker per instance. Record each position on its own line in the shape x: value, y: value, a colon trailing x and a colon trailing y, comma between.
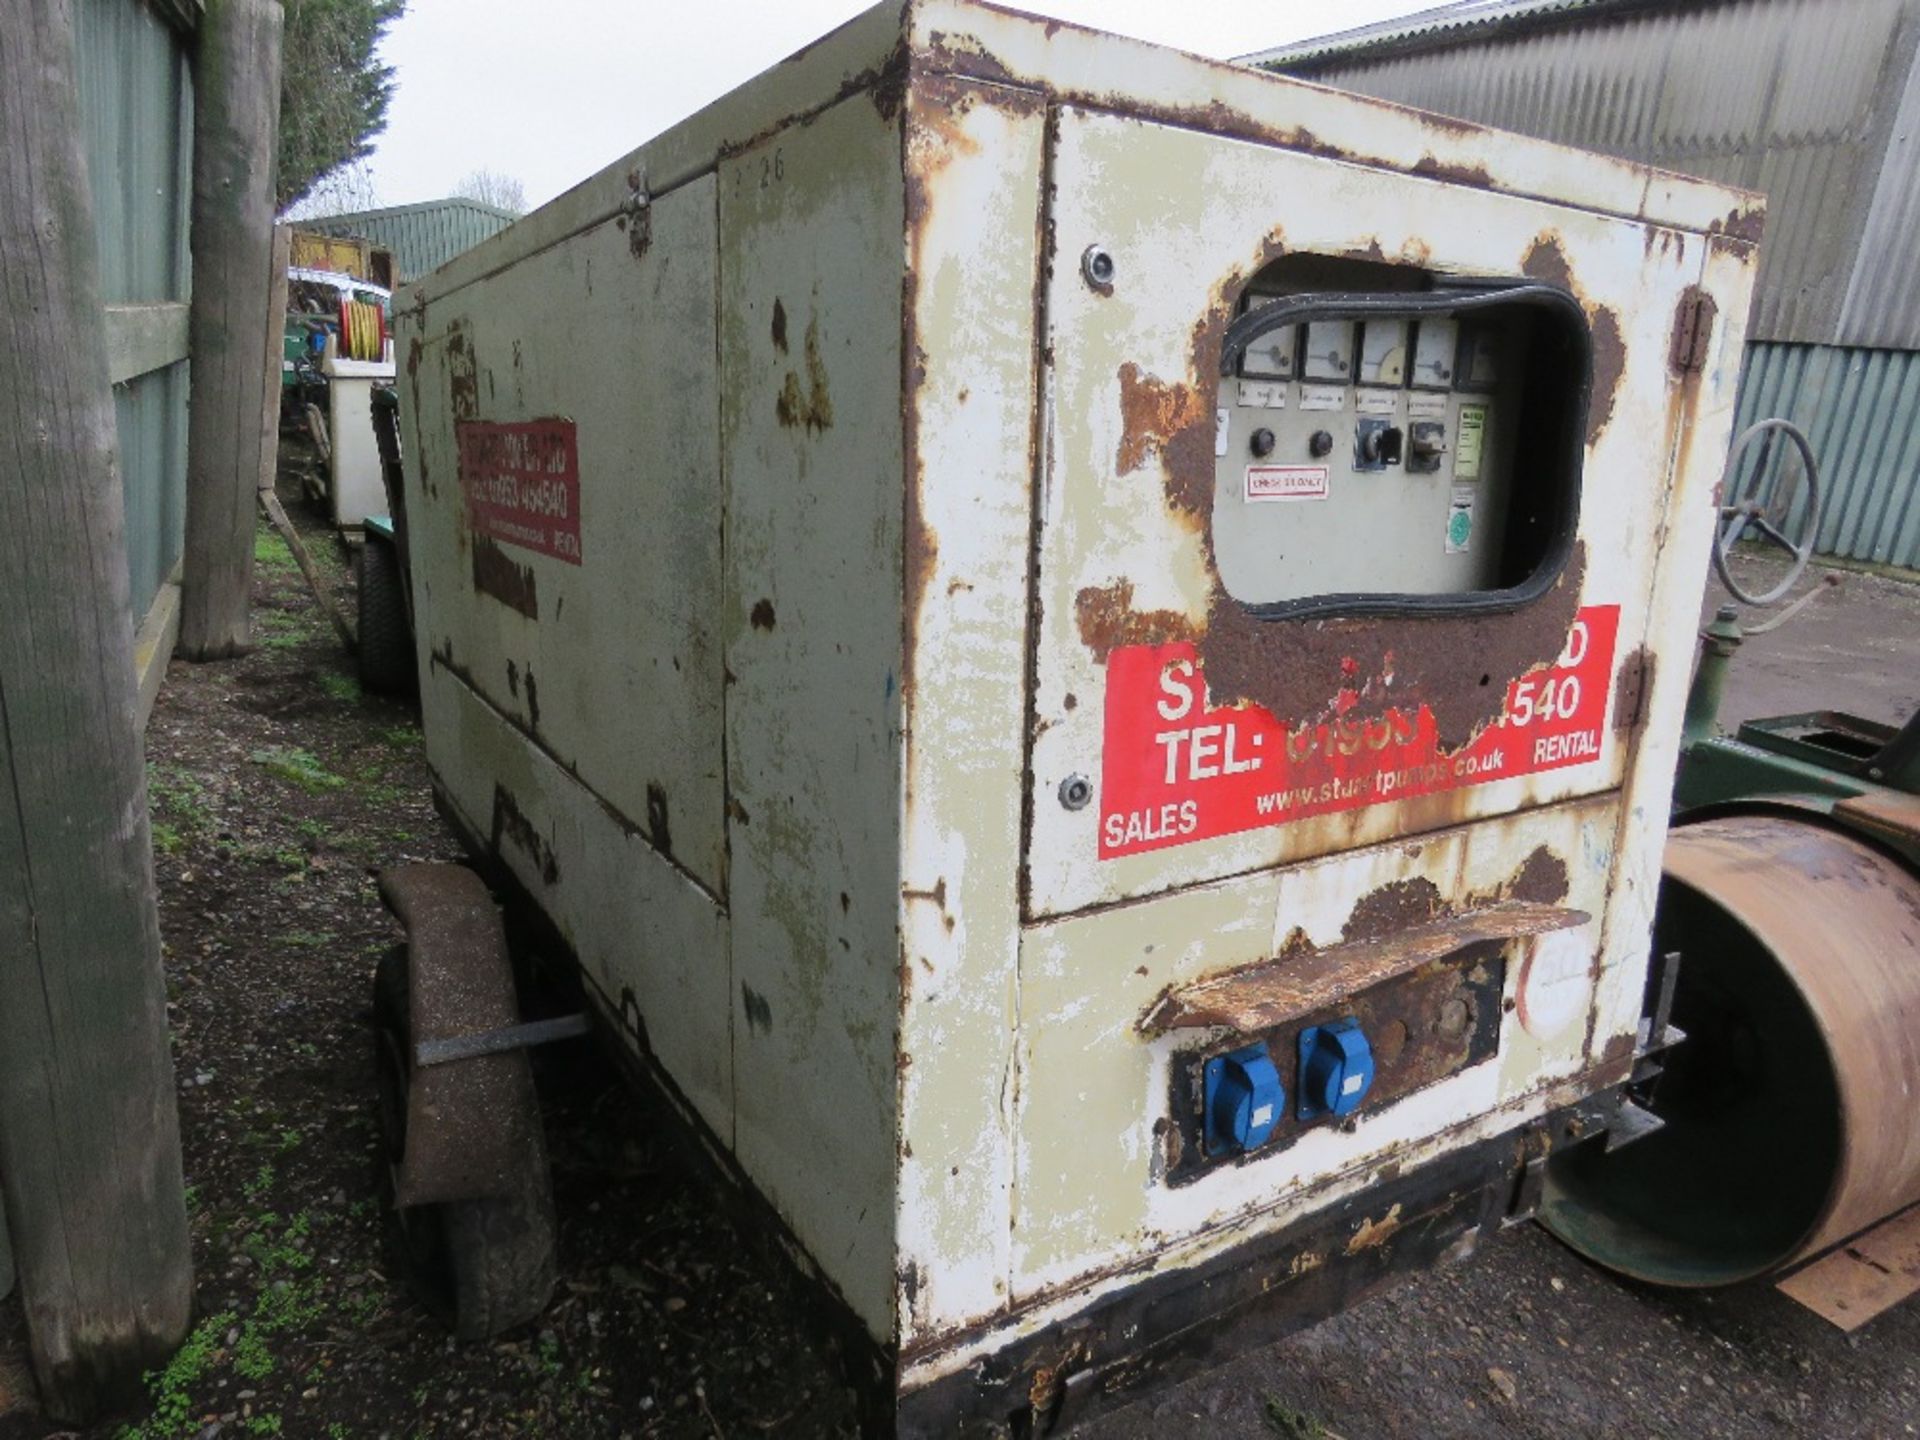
x: 483, y: 1265
x: 386, y: 640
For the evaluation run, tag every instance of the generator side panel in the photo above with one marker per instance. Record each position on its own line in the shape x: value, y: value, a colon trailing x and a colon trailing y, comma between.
x: 570, y: 549
x: 974, y: 157
x: 564, y: 513
x: 811, y: 221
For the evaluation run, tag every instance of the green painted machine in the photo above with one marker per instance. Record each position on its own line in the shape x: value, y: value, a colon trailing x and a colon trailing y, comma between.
x: 1780, y: 1052
x: 1819, y: 762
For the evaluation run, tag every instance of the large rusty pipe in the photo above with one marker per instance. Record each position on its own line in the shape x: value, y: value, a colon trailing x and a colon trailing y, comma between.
x: 1791, y: 1106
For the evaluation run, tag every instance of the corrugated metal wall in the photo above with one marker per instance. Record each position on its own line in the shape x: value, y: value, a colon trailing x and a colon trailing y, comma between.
x: 1797, y: 98
x: 1861, y: 410
x: 422, y: 237
x: 136, y: 99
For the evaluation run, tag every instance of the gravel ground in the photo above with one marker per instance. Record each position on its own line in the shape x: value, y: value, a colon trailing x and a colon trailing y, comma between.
x: 279, y: 789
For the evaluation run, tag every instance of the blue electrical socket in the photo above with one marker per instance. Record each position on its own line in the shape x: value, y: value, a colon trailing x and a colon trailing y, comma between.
x: 1242, y: 1101
x: 1336, y: 1069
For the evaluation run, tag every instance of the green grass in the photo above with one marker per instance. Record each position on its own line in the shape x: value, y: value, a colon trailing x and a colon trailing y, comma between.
x: 298, y: 767
x: 172, y: 1387
x: 166, y: 839
x: 340, y: 687
x: 261, y: 1182
x: 179, y: 795
x: 270, y: 552
x: 279, y: 629
x: 1293, y: 1424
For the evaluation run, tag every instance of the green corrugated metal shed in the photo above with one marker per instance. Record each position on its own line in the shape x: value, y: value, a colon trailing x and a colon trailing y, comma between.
x: 423, y: 236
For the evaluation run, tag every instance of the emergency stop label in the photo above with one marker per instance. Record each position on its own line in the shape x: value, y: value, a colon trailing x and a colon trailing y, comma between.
x: 522, y: 483
x: 1176, y: 770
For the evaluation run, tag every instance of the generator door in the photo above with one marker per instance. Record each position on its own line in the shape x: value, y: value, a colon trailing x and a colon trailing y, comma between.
x: 1353, y: 489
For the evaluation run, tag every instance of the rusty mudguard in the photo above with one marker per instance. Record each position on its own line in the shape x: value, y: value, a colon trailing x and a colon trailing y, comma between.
x: 469, y: 1122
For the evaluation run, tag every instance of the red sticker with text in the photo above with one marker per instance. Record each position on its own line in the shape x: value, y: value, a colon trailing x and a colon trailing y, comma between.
x: 522, y: 482
x: 1175, y: 770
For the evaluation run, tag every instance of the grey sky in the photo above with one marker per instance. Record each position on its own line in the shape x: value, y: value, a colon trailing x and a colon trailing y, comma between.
x: 550, y: 92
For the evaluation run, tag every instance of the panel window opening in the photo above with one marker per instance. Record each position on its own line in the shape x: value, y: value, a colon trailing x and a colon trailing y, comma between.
x: 1389, y: 441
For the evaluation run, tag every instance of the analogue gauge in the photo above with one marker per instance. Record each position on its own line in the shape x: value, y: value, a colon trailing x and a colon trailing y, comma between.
x: 1329, y: 351
x: 1434, y: 350
x: 1383, y: 352
x: 1479, y: 359
x: 1270, y: 357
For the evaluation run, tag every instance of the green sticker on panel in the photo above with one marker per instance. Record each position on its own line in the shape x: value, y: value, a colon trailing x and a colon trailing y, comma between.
x: 1473, y: 429
x: 1460, y: 520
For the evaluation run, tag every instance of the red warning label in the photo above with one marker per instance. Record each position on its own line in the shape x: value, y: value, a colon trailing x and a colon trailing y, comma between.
x: 1175, y: 770
x: 522, y: 483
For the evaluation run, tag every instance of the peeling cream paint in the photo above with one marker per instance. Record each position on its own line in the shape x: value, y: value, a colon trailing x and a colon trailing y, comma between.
x: 860, y: 708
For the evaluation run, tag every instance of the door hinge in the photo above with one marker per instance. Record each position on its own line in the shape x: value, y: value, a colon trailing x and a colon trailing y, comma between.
x: 1692, y: 330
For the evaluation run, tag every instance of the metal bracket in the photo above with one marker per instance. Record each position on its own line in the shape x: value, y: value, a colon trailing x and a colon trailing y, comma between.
x: 500, y: 1040
x: 1630, y: 1122
x: 1658, y: 1033
x: 1526, y: 1193
x: 638, y: 212
x: 1692, y: 330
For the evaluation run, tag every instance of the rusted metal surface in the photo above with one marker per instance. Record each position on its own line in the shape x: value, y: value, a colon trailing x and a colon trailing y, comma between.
x: 1788, y: 1104
x: 1291, y: 985
x: 1546, y: 259
x: 1423, y: 1025
x: 1813, y: 897
x: 1156, y: 1325
x: 1887, y: 814
x: 1630, y: 685
x: 875, y: 476
x: 1692, y: 330
x: 1299, y: 671
x: 1126, y: 548
x: 1866, y: 1277
x: 469, y: 1122
x: 495, y: 574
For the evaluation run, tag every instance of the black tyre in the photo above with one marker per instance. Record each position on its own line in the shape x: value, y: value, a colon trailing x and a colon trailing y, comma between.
x: 386, y: 640
x: 486, y: 1265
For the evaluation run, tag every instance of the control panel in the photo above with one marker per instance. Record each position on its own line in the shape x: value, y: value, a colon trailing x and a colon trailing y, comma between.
x: 1375, y: 442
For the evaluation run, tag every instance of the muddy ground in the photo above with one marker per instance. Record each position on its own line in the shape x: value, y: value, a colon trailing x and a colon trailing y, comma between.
x: 279, y: 788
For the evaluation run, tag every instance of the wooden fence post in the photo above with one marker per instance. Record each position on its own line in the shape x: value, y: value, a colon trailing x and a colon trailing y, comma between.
x: 235, y: 122
x: 89, y: 1131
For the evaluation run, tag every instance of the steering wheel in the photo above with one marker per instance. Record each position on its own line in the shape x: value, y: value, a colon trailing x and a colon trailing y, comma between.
x: 1741, y: 513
